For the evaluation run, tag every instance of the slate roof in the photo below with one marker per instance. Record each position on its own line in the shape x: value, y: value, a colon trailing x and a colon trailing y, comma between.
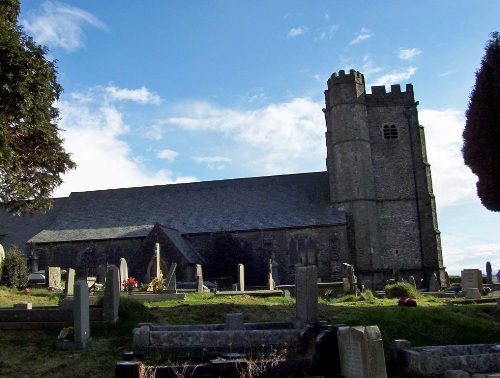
x: 187, y: 250
x: 18, y: 230
x: 272, y: 202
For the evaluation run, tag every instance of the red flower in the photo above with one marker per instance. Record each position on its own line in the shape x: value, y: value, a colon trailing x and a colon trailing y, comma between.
x: 131, y: 281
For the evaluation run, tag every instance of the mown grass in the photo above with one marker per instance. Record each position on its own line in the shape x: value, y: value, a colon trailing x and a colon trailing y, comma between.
x: 432, y: 322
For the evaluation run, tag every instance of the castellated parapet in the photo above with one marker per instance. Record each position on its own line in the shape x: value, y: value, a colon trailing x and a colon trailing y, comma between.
x: 379, y: 97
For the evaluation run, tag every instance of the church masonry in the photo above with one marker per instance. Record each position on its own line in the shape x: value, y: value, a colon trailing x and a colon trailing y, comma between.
x: 373, y: 207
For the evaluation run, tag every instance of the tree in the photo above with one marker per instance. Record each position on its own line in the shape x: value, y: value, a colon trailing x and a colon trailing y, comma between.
x: 14, y: 269
x: 32, y: 158
x: 481, y: 136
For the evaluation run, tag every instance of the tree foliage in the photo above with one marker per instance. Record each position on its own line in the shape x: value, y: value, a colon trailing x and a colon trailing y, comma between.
x: 32, y: 158
x: 481, y: 148
x: 14, y: 269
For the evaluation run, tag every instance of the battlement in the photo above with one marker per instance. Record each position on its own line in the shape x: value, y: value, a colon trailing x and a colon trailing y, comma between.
x: 379, y: 96
x: 352, y: 77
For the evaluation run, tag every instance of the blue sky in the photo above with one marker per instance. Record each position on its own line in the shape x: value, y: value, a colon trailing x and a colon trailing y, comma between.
x: 159, y: 92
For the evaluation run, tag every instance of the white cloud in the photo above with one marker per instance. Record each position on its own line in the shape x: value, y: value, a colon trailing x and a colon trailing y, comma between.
x: 94, y: 133
x: 453, y: 182
x: 362, y: 35
x: 329, y: 32
x: 166, y: 154
x: 395, y: 77
x: 142, y: 96
x: 60, y: 25
x: 295, y: 32
x: 280, y: 138
x: 409, y: 54
x: 212, y: 162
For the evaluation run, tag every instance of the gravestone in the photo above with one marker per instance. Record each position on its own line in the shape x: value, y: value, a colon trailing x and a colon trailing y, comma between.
x: 101, y: 274
x: 306, y: 294
x: 156, y: 273
x: 351, y: 282
x: 111, y: 300
x: 2, y: 254
x: 498, y: 276
x: 241, y: 277
x: 361, y: 352
x: 81, y: 317
x: 433, y: 283
x: 275, y: 275
x: 198, y: 271
x: 270, y: 280
x: 472, y: 293
x: 471, y: 278
x: 53, y: 277
x: 489, y: 278
x: 411, y: 281
x: 70, y: 282
x: 171, y: 281
x: 123, y: 273
x: 199, y: 284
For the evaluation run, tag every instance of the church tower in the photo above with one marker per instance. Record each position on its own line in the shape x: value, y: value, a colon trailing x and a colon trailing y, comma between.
x: 378, y: 173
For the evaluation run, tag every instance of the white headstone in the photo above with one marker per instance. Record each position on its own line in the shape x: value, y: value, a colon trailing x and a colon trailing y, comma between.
x: 123, y: 273
x: 241, y: 277
x: 157, y: 272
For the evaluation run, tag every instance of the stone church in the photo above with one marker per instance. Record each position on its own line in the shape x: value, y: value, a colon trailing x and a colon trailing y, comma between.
x: 372, y: 208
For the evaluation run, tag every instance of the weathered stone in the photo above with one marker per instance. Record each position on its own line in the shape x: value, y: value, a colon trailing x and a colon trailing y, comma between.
x: 472, y: 293
x: 234, y: 321
x: 361, y: 352
x: 23, y: 306
x: 306, y: 294
x: 111, y: 300
x: 471, y: 278
x: 53, y: 277
x: 70, y: 282
x: 81, y: 314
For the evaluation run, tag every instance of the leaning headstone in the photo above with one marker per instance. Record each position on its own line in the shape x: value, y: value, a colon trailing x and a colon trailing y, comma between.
x: 411, y: 281
x: 361, y: 352
x: 171, y: 281
x: 70, y: 282
x: 472, y: 278
x: 81, y: 316
x: 53, y: 277
x: 306, y: 294
x: 123, y: 273
x: 241, y: 277
x: 433, y: 283
x: 489, y: 277
x: 111, y: 300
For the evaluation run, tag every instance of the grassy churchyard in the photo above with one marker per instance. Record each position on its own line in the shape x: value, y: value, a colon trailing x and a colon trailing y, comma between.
x: 433, y: 322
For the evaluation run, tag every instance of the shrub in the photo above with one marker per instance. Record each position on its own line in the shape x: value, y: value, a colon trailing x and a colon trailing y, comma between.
x: 14, y: 268
x: 400, y: 290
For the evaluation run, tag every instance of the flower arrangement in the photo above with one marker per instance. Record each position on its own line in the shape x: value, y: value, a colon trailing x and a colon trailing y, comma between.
x: 129, y: 283
x: 157, y: 285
